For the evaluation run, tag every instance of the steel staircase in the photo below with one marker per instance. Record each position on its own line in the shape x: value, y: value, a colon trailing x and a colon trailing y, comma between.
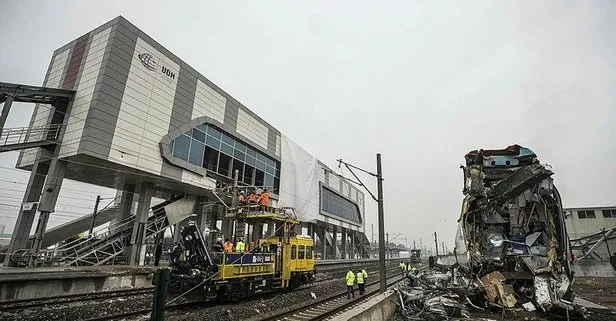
x: 104, y: 246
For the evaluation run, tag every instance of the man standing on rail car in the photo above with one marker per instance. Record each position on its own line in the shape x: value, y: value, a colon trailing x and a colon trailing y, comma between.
x: 241, y: 199
x: 350, y: 281
x: 240, y: 246
x: 264, y: 200
x: 228, y: 246
x: 360, y: 282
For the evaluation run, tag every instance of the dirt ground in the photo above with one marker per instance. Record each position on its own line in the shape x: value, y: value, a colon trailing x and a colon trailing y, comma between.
x: 598, y: 290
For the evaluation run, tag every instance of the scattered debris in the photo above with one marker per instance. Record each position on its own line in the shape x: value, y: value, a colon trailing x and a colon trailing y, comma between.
x: 513, y: 229
x: 314, y: 296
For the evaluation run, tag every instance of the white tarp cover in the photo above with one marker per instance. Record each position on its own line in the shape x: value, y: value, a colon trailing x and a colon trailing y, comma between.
x: 299, y: 180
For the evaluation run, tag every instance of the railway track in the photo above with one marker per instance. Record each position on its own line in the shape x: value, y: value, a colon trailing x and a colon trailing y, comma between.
x: 196, y: 304
x: 23, y: 304
x: 330, y: 306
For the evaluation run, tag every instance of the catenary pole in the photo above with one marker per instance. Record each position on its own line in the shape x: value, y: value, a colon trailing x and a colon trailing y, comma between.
x: 382, y: 266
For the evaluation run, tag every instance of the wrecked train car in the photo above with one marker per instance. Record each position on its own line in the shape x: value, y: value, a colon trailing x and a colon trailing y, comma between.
x: 513, y: 227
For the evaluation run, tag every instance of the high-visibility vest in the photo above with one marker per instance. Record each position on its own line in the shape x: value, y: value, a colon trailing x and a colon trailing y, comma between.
x: 364, y: 273
x: 360, y: 278
x: 409, y: 268
x: 228, y: 246
x: 265, y: 199
x: 402, y: 265
x: 240, y: 246
x: 350, y: 278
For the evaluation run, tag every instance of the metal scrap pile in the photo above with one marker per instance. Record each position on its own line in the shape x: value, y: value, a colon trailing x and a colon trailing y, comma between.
x: 513, y: 228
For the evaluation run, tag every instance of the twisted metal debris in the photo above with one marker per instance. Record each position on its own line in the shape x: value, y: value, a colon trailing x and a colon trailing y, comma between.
x: 516, y: 256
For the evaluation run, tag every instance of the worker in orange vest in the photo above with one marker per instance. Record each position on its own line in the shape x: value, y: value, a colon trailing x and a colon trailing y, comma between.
x: 253, y: 198
x: 228, y: 246
x: 264, y: 200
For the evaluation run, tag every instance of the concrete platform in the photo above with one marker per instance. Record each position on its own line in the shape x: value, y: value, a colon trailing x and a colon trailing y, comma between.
x: 30, y: 283
x: 379, y: 308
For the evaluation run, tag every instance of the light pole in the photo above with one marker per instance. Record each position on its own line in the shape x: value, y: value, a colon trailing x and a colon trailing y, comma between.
x: 381, y: 219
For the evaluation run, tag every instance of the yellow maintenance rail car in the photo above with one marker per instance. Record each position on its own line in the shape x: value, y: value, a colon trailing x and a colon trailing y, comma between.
x: 283, y: 260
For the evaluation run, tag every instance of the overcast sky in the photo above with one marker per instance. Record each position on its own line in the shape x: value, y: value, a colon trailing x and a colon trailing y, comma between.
x: 422, y: 82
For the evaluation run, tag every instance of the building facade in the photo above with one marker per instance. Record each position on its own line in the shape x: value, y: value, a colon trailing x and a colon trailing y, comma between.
x: 587, y: 221
x: 144, y: 122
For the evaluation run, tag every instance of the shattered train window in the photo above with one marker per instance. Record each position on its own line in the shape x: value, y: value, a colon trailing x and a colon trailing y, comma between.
x: 586, y: 214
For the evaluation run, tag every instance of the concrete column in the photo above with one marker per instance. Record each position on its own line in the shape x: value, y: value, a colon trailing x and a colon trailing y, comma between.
x: 126, y: 201
x: 270, y: 229
x: 227, y: 226
x: 47, y: 205
x: 257, y: 232
x: 25, y: 218
x: 5, y: 111
x: 137, y: 244
x: 335, y: 242
x: 352, y: 244
x: 344, y: 243
x: 323, y: 243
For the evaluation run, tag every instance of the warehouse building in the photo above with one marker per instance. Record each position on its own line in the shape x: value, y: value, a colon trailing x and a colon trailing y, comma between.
x: 592, y: 231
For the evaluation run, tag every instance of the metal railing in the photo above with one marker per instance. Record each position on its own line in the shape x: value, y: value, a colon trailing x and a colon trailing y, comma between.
x: 22, y: 135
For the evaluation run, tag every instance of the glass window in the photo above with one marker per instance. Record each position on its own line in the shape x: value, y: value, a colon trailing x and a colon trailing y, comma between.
x: 210, y: 159
x: 251, y: 160
x: 586, y: 214
x: 337, y: 205
x: 271, y: 162
x: 293, y: 252
x: 269, y: 181
x: 198, y: 135
x: 240, y: 167
x: 261, y: 157
x: 212, y: 142
x: 248, y: 171
x: 260, y: 165
x: 309, y: 251
x: 239, y: 155
x: 227, y: 149
x: 196, y: 152
x: 239, y: 146
x: 270, y: 170
x: 276, y: 185
x: 222, y: 153
x: 228, y: 139
x: 302, y: 252
x: 181, y: 146
x: 259, y: 178
x: 213, y: 131
x: 609, y: 213
x: 224, y: 165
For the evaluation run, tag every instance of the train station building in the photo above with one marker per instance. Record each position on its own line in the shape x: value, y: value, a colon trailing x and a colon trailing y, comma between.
x: 135, y: 117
